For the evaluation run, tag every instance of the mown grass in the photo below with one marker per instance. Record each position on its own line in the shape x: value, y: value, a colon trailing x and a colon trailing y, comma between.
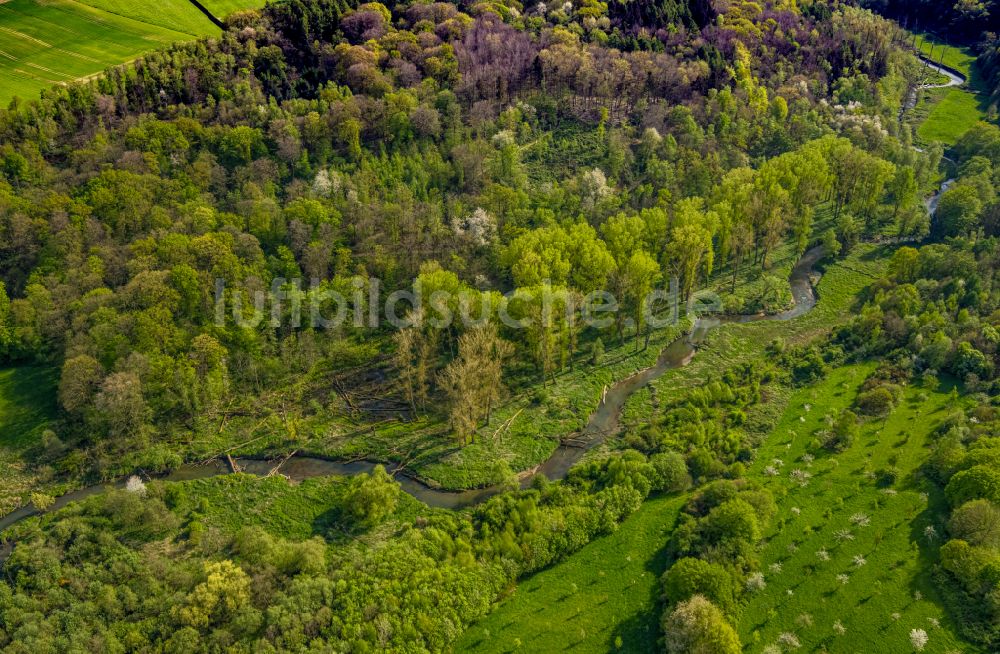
x: 27, y: 406
x: 222, y: 8
x: 175, y: 15
x: 954, y: 111
x: 58, y: 41
x: 881, y: 600
x: 602, y: 593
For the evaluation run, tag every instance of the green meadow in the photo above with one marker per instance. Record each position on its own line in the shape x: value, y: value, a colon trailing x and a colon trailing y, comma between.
x: 954, y: 112
x: 949, y: 112
x: 175, y: 15
x: 848, y: 560
x: 222, y: 8
x: 59, y: 41
x: 601, y: 599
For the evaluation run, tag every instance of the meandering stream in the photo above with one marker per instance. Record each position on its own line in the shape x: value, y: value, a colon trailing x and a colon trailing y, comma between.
x: 605, y: 420
x: 602, y: 423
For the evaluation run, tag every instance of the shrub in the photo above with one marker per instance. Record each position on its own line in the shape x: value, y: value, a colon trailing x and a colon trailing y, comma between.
x: 689, y: 577
x: 42, y: 501
x: 731, y: 522
x: 888, y: 476
x: 844, y: 431
x: 672, y: 472
x: 980, y: 481
x: 977, y: 522
x: 371, y: 497
x: 877, y: 402
x: 697, y: 625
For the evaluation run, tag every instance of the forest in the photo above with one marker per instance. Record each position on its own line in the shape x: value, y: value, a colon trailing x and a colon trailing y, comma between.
x: 189, y: 244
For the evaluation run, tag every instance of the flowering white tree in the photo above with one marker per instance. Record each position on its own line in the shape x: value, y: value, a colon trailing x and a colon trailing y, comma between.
x: 789, y: 640
x: 135, y: 485
x: 861, y: 520
x: 479, y: 226
x: 593, y: 187
x: 843, y: 535
x: 918, y: 638
x: 321, y: 184
x: 801, y: 477
x: 756, y: 582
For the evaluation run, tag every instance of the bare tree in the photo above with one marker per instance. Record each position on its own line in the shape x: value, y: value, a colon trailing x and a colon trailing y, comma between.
x: 413, y: 352
x: 473, y: 381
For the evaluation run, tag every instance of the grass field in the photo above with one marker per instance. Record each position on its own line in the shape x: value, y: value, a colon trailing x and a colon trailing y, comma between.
x: 175, y: 15
x: 58, y: 41
x: 603, y: 592
x: 953, y: 112
x: 27, y: 405
x: 891, y: 592
x: 950, y: 112
x: 222, y: 8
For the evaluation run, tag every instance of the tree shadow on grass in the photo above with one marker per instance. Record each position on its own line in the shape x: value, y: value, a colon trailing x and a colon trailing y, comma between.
x: 922, y: 584
x: 640, y: 632
x: 28, y: 401
x: 878, y: 253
